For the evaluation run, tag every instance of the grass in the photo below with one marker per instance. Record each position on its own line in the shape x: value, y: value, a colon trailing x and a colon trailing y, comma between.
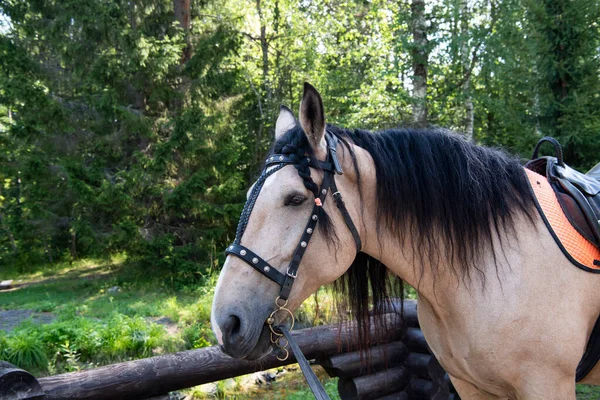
x: 96, y: 325
x: 586, y: 392
x: 288, y: 385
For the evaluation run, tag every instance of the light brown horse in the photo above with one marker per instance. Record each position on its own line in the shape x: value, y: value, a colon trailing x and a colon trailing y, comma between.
x: 503, y: 310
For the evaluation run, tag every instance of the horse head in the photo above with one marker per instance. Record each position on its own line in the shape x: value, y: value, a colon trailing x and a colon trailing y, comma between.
x: 292, y: 238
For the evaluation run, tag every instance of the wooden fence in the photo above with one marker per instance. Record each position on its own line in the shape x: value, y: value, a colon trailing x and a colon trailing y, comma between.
x: 399, y: 366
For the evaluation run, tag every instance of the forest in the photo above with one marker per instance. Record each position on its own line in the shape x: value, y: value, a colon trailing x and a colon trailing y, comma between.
x: 135, y: 127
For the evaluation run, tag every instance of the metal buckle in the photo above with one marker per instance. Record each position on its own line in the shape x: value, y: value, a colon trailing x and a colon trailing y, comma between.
x: 293, y: 275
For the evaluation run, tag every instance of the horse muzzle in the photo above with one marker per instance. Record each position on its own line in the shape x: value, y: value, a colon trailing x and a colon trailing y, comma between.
x: 242, y: 341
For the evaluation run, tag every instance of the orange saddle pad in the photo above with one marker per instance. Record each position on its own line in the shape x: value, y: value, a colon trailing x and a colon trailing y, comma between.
x: 578, y: 249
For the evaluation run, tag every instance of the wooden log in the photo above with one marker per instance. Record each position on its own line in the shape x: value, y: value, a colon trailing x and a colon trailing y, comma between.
x: 154, y: 376
x: 353, y: 364
x: 375, y: 385
x: 418, y: 364
x: 419, y: 389
x: 6, y: 284
x: 395, y: 396
x: 415, y: 341
x: 440, y: 388
x: 410, y: 311
x: 422, y: 389
x: 16, y: 384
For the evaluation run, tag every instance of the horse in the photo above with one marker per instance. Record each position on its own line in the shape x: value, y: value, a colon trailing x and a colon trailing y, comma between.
x: 501, y: 307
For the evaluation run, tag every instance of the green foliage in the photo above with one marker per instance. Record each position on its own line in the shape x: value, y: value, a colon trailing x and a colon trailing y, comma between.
x: 198, y: 335
x: 76, y: 342
x: 330, y: 388
x: 122, y: 132
x: 92, y: 326
x: 25, y: 351
x: 585, y: 392
x: 116, y: 146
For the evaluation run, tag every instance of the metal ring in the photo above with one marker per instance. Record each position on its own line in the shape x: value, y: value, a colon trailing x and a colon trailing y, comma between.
x: 272, y: 316
x: 287, y: 354
x: 277, y: 302
x: 275, y: 338
x: 279, y: 339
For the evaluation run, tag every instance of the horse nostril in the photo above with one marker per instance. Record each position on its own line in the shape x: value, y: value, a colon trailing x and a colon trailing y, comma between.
x: 232, y: 326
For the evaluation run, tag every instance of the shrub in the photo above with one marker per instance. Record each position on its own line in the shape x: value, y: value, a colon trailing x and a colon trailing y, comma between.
x: 68, y: 345
x: 197, y: 336
x: 26, y: 351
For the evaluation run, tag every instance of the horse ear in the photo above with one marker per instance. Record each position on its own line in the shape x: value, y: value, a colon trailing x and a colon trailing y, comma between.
x: 312, y: 116
x: 285, y: 121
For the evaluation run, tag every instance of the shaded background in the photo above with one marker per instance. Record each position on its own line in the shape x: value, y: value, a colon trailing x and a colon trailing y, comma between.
x: 134, y: 127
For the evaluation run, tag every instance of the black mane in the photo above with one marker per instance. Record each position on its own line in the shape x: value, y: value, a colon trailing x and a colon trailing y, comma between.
x: 441, y: 192
x: 435, y: 187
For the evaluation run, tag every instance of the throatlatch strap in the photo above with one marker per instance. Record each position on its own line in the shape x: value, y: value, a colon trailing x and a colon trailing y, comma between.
x: 256, y: 262
x: 339, y: 201
x: 312, y: 380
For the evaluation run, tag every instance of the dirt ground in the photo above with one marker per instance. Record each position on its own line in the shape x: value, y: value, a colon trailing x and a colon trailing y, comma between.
x: 9, y: 319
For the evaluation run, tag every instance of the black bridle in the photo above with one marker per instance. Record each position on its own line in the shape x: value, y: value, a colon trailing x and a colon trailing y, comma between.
x: 274, y: 163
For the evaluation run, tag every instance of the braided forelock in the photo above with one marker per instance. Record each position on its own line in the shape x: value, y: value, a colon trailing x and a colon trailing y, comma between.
x: 301, y: 163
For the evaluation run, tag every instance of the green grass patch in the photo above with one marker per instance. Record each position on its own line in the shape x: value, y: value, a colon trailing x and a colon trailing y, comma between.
x: 587, y: 392
x: 103, y: 314
x: 290, y: 385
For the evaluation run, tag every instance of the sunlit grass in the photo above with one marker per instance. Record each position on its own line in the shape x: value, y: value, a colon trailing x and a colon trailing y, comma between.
x: 104, y: 314
x: 288, y: 385
x: 81, y: 268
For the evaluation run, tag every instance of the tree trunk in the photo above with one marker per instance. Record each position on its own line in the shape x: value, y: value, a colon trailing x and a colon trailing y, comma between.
x: 420, y: 55
x: 266, y: 89
x: 264, y: 46
x: 466, y: 87
x: 182, y: 14
x: 136, y: 96
x: 11, y: 237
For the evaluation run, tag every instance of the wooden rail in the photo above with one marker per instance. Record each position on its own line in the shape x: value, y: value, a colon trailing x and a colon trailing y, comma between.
x: 159, y: 375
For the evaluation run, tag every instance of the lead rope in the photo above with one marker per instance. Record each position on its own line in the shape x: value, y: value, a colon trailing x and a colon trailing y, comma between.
x: 313, y: 382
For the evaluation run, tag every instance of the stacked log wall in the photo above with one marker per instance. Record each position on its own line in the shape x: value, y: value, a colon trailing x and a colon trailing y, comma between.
x: 404, y: 369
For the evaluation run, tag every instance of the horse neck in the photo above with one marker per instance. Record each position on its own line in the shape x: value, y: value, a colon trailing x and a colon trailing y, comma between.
x: 380, y: 243
x: 383, y: 244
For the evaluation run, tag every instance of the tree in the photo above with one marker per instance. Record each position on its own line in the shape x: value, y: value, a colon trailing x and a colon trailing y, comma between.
x: 420, y: 54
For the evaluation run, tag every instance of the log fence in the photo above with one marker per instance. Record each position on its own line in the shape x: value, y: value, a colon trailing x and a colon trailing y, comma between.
x: 398, y: 366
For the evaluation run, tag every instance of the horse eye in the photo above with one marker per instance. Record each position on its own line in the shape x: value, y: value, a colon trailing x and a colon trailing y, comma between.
x: 295, y: 200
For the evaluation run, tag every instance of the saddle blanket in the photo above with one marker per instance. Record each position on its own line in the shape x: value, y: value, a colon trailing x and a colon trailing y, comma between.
x: 576, y: 248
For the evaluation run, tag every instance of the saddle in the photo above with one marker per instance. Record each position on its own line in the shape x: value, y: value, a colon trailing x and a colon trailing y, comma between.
x: 578, y: 194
